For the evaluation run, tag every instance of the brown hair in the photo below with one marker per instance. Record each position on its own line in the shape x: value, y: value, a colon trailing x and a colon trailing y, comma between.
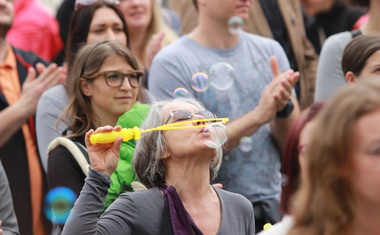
x: 324, y: 203
x: 80, y: 25
x: 87, y: 62
x: 358, y: 51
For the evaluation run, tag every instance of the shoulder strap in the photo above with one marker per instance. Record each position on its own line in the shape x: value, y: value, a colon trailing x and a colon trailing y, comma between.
x: 78, y: 151
x: 355, y: 33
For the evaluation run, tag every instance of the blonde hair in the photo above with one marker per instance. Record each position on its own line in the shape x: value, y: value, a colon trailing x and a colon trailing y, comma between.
x: 157, y: 25
x: 324, y: 203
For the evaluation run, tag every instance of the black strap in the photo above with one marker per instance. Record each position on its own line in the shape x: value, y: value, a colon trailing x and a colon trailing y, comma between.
x: 356, y: 33
x: 82, y: 149
x: 166, y: 224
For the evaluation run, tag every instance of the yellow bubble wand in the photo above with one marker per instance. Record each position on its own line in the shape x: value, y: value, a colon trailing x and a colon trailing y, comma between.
x: 135, y: 132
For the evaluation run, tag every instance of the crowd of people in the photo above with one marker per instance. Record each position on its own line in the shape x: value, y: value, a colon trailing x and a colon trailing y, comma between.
x: 290, y: 88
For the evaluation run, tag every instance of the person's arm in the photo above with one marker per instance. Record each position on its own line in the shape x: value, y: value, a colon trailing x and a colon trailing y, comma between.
x: 14, y: 116
x: 274, y: 98
x: 330, y: 76
x: 9, y: 224
x: 83, y: 218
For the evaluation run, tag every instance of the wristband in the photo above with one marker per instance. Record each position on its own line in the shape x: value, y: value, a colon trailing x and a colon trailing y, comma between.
x: 286, y: 111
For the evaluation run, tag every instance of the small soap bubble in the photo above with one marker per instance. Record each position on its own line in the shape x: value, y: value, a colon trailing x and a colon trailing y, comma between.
x: 218, y: 135
x: 235, y: 25
x: 246, y: 144
x: 221, y: 76
x: 284, y: 180
x: 181, y: 92
x: 58, y: 203
x: 199, y: 82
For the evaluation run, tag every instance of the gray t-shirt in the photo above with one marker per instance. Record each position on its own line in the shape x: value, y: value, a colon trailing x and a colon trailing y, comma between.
x: 49, y: 108
x: 141, y: 212
x: 254, y: 173
x: 330, y: 76
x: 7, y: 213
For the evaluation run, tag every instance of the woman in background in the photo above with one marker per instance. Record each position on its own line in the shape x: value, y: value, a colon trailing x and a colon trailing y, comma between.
x: 340, y: 191
x: 90, y: 24
x: 147, y: 28
x: 355, y: 65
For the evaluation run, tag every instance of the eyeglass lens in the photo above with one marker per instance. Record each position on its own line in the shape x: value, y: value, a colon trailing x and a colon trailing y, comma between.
x: 116, y: 79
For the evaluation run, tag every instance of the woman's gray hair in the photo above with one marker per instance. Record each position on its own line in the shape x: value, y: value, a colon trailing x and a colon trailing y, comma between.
x: 147, y: 163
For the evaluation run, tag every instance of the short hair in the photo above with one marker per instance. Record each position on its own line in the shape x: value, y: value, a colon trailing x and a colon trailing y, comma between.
x: 88, y: 61
x: 80, y: 25
x: 320, y: 207
x: 147, y: 163
x: 358, y: 51
x: 290, y: 167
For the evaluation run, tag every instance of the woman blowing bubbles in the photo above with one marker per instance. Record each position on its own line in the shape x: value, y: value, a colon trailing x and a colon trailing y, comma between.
x: 177, y: 167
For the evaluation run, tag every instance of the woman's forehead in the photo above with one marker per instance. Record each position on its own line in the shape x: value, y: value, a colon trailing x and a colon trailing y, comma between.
x: 178, y: 105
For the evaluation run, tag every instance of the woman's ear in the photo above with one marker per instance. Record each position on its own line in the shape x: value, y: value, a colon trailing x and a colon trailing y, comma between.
x: 85, y: 87
x: 165, y: 155
x: 350, y: 77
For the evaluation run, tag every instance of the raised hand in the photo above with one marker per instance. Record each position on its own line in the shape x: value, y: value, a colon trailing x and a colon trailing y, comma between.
x: 277, y: 93
x: 104, y: 157
x: 153, y: 47
x: 33, y: 87
x: 1, y: 231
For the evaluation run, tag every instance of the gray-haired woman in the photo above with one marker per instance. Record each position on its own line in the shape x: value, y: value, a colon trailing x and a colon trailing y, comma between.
x: 177, y: 167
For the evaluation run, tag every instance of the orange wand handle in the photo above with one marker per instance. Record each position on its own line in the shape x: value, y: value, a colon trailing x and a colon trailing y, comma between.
x: 109, y: 137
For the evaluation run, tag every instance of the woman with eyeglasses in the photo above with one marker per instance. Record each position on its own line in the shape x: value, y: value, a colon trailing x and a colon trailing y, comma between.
x: 93, y: 23
x: 105, y: 82
x: 177, y: 166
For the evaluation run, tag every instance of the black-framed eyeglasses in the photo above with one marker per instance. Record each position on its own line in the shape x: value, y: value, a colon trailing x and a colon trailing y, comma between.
x: 80, y: 3
x: 186, y: 114
x: 116, y: 78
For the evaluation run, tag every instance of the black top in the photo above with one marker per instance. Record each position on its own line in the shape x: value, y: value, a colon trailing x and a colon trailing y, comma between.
x: 339, y: 19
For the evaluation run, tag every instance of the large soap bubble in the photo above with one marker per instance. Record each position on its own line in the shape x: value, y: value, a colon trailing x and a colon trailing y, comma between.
x: 218, y: 135
x: 221, y: 76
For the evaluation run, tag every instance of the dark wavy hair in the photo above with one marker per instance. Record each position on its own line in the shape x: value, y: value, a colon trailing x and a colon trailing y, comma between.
x: 290, y: 163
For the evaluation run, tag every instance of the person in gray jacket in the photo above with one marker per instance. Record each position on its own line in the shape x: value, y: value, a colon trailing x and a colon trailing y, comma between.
x: 177, y: 167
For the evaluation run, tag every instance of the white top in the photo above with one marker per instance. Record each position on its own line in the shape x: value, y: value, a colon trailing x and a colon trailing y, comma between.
x: 280, y: 228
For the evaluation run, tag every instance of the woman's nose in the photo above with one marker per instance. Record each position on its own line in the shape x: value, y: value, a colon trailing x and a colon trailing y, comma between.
x: 111, y: 35
x: 198, y: 117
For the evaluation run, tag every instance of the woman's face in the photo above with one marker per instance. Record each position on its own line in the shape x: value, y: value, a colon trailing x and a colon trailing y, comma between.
x: 110, y: 102
x: 186, y: 142
x: 106, y: 25
x: 366, y: 160
x: 371, y: 68
x: 137, y: 13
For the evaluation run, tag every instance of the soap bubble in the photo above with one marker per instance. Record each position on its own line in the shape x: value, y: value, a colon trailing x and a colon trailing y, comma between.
x: 246, y: 144
x: 218, y: 135
x: 181, y: 92
x: 235, y: 25
x: 284, y: 180
x: 199, y: 82
x: 58, y: 203
x: 221, y: 76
